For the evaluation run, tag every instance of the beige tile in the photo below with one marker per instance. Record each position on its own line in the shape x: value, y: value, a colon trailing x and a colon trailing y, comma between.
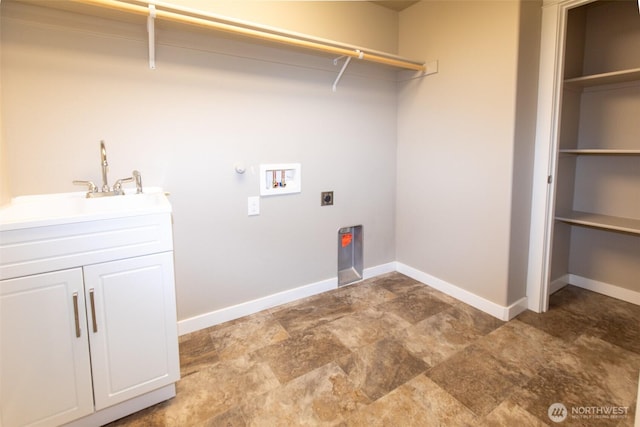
x: 232, y: 418
x: 366, y: 326
x: 396, y: 283
x: 477, y: 379
x: 196, y: 351
x: 610, y: 367
x: 438, y: 337
x: 415, y: 305
x: 208, y: 393
x: 426, y: 359
x: 594, y: 373
x: 586, y: 303
x: 418, y: 402
x: 317, y: 311
x: 380, y: 367
x: 510, y: 414
x: 322, y: 397
x: 560, y: 323
x: 228, y: 383
x: 302, y: 353
x: 363, y: 295
x: 620, y: 326
x: 556, y: 385
x: 253, y: 333
x: 519, y: 344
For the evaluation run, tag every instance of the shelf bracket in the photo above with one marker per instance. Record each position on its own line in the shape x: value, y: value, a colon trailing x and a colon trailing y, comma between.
x: 344, y: 67
x: 151, y: 29
x: 358, y: 53
x: 430, y: 67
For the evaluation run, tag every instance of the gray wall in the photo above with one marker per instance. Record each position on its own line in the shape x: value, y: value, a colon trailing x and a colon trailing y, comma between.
x: 436, y: 169
x: 68, y: 82
x: 465, y: 144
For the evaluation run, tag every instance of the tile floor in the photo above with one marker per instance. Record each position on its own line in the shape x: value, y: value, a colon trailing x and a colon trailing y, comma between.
x: 391, y: 351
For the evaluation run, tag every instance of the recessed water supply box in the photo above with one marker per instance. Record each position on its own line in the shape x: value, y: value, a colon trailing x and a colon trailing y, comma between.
x: 350, y: 261
x: 280, y: 178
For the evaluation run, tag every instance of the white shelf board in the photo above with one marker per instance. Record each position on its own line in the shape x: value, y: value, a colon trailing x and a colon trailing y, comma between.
x: 606, y: 222
x: 600, y: 152
x: 604, y: 78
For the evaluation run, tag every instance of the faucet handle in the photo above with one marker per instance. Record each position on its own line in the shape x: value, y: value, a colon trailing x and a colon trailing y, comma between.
x: 117, y: 187
x: 90, y: 184
x: 138, y: 178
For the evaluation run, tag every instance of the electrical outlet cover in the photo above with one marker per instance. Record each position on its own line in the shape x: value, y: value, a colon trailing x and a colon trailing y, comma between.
x: 326, y: 198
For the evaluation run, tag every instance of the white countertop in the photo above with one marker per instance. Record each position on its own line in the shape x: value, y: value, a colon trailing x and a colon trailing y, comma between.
x: 65, y: 208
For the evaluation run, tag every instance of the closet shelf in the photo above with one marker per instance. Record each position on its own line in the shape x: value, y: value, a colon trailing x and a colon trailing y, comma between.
x: 622, y: 76
x: 605, y: 222
x: 599, y: 152
x: 156, y: 10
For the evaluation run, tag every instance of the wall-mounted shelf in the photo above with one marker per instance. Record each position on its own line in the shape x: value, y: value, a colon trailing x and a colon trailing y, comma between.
x: 606, y: 222
x: 622, y: 76
x: 156, y: 10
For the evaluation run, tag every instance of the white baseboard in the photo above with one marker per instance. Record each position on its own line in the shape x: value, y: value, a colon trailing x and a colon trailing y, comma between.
x: 604, y: 288
x: 250, y: 307
x: 501, y: 312
x: 516, y: 308
x: 378, y: 270
x: 489, y: 307
x: 558, y: 284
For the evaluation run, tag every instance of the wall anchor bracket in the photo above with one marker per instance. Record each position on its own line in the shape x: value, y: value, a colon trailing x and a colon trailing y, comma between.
x: 151, y: 29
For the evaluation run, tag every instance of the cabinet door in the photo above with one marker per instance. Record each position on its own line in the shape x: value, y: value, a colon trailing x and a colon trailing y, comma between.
x: 132, y: 327
x: 44, y: 351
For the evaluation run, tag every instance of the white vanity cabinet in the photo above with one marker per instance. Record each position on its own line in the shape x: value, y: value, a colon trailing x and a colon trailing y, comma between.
x: 130, y: 315
x: 45, y: 366
x: 88, y: 330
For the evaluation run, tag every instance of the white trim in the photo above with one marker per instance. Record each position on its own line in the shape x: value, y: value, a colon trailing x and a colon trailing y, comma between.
x: 607, y: 289
x: 501, y: 312
x: 543, y: 192
x: 378, y: 270
x: 551, y: 69
x: 489, y: 307
x: 112, y: 413
x: 516, y: 308
x: 558, y: 284
x: 222, y: 315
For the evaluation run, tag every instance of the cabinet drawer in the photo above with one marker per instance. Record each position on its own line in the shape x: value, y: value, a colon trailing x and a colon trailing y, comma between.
x: 35, y: 250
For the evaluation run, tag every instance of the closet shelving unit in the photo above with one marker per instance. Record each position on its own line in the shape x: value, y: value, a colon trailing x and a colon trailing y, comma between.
x: 596, y: 235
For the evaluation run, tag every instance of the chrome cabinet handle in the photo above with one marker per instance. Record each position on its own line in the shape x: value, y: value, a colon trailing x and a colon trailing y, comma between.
x: 93, y: 310
x: 76, y: 314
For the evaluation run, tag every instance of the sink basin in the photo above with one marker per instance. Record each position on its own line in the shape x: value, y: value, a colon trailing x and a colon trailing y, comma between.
x: 64, y: 208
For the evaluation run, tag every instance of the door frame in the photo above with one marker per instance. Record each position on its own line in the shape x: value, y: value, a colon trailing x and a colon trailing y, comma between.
x: 551, y: 71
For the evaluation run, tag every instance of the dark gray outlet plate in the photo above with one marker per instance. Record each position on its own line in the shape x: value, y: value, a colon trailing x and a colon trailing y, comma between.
x: 326, y: 198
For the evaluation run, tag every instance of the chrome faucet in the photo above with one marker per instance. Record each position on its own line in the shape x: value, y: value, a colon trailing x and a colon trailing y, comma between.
x: 105, y: 167
x: 117, y: 187
x: 138, y: 178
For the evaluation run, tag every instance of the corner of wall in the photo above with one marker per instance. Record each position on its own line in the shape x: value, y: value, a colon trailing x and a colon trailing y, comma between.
x: 502, y: 312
